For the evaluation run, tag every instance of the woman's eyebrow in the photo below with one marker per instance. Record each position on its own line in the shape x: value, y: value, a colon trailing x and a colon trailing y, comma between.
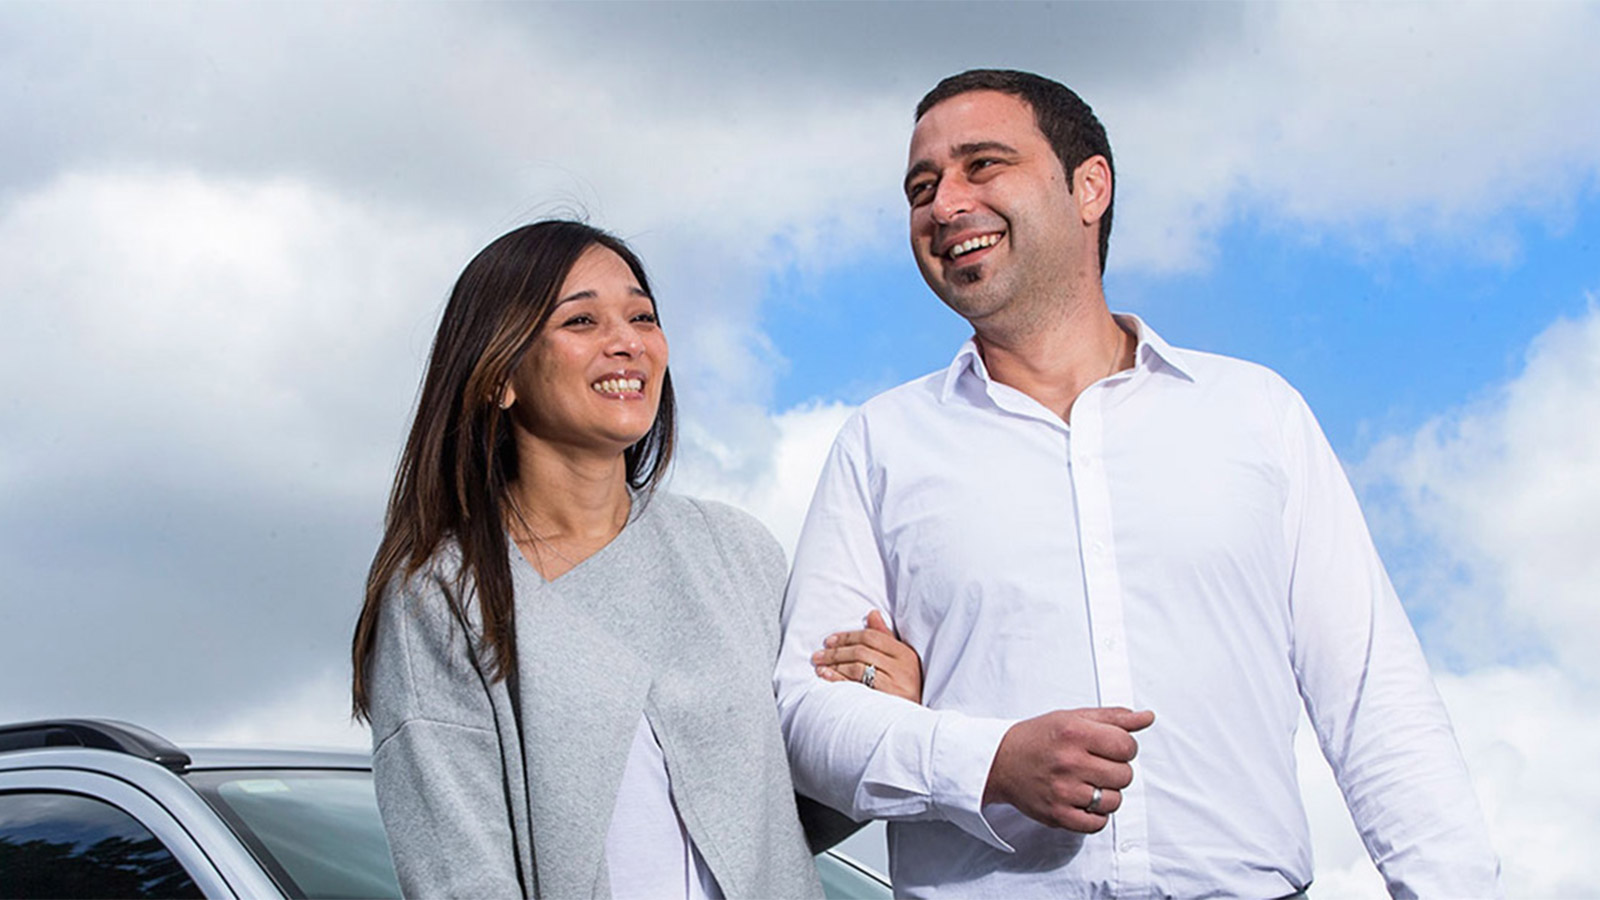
x: 589, y: 294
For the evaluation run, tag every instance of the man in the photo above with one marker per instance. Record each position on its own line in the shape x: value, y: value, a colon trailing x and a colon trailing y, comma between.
x: 1084, y: 530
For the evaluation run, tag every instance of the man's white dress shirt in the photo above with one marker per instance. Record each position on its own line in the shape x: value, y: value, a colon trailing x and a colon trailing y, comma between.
x: 1189, y: 545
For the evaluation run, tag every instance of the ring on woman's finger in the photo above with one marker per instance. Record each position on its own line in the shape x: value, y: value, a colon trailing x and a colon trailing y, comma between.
x: 869, y: 675
x: 1094, y: 802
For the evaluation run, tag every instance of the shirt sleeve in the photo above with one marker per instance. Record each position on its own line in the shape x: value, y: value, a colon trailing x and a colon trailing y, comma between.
x: 864, y: 752
x: 437, y: 765
x: 1368, y: 691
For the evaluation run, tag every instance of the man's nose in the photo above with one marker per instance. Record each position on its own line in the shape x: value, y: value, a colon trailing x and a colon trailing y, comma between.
x: 952, y: 199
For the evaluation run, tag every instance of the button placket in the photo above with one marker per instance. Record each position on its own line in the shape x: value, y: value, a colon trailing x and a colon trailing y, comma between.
x: 1113, y: 671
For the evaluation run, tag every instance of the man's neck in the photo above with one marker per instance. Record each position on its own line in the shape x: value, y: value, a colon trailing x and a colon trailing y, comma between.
x: 1056, y: 357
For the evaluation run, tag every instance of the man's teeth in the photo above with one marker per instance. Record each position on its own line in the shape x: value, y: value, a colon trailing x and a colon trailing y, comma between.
x: 619, y: 385
x: 971, y: 244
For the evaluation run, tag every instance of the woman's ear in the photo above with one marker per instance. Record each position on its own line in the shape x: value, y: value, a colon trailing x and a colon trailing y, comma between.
x: 508, y: 396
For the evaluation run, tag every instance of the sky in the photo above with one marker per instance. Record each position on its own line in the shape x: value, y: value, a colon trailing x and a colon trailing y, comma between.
x: 227, y: 232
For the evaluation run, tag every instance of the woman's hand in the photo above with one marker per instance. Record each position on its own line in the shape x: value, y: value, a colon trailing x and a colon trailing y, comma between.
x: 845, y: 656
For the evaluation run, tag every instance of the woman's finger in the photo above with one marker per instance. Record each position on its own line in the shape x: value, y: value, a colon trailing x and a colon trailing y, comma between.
x: 876, y: 622
x: 890, y: 681
x: 855, y: 671
x: 878, y: 640
x: 853, y: 653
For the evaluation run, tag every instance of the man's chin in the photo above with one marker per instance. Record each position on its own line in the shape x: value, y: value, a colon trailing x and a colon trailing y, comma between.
x: 971, y: 305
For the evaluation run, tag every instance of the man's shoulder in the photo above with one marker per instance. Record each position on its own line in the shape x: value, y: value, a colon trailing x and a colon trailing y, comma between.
x: 1230, y: 372
x: 902, y: 410
x: 918, y: 393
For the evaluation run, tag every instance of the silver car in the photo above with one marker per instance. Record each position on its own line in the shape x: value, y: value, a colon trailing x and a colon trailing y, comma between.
x: 98, y: 808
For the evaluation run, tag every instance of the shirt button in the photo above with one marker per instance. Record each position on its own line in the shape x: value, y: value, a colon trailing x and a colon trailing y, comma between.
x: 1129, y: 846
x: 1109, y: 643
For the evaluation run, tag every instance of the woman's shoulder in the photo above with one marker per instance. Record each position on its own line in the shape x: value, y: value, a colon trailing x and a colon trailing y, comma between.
x: 428, y: 594
x: 740, y: 536
x: 724, y: 520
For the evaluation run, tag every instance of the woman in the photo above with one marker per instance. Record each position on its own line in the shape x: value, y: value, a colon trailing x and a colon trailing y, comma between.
x: 568, y: 673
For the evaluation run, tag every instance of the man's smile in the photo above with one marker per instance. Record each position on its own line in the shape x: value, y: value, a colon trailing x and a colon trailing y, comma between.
x: 973, y: 243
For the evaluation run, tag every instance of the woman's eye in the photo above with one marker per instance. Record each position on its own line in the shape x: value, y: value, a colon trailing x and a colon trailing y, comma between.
x: 583, y: 319
x: 648, y: 318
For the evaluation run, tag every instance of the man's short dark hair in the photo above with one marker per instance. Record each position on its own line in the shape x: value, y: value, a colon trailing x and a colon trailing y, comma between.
x: 1063, y: 118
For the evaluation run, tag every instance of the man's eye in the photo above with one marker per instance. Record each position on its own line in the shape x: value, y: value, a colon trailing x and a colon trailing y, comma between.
x: 917, y: 193
x: 983, y: 163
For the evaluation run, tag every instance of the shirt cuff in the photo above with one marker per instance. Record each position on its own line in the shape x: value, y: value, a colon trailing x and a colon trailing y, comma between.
x: 963, y: 752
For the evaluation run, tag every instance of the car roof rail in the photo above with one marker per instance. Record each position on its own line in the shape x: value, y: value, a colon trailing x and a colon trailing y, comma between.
x: 99, y: 734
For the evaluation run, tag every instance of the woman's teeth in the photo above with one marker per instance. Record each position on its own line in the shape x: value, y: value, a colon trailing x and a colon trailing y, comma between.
x: 619, y: 385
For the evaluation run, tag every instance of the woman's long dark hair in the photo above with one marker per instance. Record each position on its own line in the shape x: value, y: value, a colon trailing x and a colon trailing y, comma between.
x: 454, y: 479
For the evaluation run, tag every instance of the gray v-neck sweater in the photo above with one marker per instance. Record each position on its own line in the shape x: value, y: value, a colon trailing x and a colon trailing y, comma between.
x: 484, y: 795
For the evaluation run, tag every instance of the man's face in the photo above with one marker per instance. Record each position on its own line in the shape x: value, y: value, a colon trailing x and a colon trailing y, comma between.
x: 992, y: 219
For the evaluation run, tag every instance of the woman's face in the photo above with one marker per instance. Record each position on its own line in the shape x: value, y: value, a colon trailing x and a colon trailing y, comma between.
x: 592, y: 378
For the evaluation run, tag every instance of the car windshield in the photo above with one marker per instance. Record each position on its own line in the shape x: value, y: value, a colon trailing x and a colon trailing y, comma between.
x: 317, y: 832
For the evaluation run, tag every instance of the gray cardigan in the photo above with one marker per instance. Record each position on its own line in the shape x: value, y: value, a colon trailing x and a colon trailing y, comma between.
x: 486, y: 795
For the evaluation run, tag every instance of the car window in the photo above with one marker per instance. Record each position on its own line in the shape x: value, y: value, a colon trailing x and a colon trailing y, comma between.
x: 55, y: 844
x: 317, y: 833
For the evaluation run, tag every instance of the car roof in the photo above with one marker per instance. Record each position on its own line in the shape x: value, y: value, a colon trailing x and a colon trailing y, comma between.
x: 55, y: 736
x: 203, y: 758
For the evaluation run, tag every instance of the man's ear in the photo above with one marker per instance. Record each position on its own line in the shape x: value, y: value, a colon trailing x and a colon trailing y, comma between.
x: 1091, y: 188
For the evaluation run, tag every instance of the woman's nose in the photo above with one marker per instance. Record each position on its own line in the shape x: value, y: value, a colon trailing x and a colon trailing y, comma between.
x: 623, y: 341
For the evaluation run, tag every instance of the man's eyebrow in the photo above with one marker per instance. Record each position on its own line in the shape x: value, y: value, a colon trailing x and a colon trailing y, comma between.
x: 960, y: 151
x: 976, y: 147
x: 918, y: 168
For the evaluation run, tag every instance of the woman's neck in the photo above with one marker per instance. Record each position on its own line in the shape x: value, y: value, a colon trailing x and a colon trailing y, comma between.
x: 569, y: 496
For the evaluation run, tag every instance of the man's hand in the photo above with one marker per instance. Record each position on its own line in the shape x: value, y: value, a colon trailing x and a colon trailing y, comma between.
x: 1049, y: 766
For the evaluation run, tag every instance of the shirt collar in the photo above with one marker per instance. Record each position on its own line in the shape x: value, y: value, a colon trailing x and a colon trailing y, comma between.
x: 1152, y: 352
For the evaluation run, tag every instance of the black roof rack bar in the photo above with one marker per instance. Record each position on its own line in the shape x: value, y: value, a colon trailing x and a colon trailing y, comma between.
x: 100, y: 734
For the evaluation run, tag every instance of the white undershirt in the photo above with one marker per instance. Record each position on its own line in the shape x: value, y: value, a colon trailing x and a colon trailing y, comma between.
x: 648, y: 851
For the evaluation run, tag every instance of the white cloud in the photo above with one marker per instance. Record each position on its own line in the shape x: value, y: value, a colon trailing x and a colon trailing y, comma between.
x: 772, y: 477
x: 174, y: 320
x: 1370, y: 124
x: 1505, y: 493
x: 1529, y: 737
x: 1497, y: 505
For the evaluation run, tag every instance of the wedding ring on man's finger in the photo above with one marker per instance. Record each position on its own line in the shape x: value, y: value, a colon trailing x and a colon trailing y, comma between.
x: 1094, y: 802
x: 869, y: 675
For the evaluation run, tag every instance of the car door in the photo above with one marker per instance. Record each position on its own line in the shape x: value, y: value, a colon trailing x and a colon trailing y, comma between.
x: 77, y: 833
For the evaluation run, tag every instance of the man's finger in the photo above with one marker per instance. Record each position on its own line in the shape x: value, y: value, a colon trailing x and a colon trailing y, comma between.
x: 1120, y: 716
